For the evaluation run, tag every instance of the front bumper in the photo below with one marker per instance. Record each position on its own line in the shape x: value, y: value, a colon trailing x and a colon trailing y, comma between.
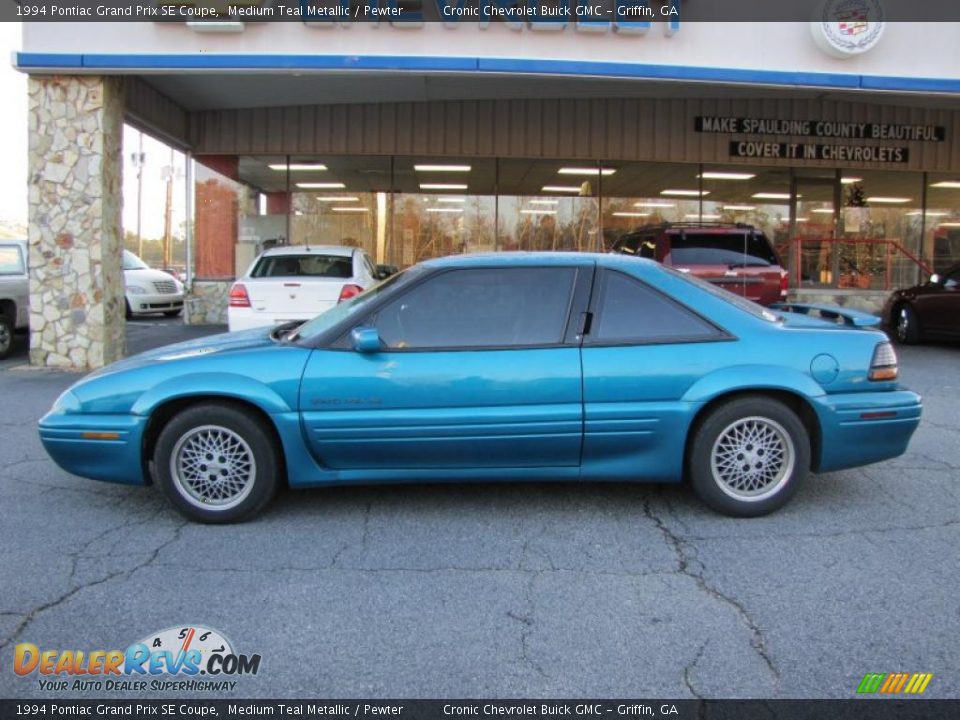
x: 155, y: 303
x: 863, y: 428
x: 70, y: 440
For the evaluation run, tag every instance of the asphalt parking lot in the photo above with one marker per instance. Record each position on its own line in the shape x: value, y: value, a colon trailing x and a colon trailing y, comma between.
x: 502, y: 590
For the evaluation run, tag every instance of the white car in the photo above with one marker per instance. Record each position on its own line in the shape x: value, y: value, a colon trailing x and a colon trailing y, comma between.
x: 298, y: 282
x: 149, y: 290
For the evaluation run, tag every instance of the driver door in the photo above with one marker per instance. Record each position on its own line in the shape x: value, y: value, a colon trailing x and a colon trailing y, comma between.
x: 478, y: 368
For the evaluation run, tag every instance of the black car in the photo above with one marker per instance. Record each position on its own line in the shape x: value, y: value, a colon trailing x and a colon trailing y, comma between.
x: 928, y: 311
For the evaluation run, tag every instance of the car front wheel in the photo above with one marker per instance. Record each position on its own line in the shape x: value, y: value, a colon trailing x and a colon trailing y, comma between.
x: 217, y: 463
x: 749, y: 456
x: 907, y: 326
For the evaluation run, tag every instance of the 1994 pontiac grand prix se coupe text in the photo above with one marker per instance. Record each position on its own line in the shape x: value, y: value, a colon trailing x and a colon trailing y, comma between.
x: 545, y: 366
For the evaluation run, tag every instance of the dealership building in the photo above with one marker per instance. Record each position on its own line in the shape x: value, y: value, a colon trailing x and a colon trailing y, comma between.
x: 419, y: 137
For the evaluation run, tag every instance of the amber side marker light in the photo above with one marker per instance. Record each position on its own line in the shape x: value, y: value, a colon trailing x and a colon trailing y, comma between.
x: 884, y: 363
x: 101, y: 436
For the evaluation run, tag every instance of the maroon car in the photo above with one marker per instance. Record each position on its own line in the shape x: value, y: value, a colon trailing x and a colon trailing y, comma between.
x: 736, y: 257
x: 930, y: 311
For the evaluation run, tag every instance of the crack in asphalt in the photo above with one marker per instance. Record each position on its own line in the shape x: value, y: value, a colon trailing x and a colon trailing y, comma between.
x: 676, y: 543
x: 690, y: 668
x: 821, y: 535
x: 32, y: 615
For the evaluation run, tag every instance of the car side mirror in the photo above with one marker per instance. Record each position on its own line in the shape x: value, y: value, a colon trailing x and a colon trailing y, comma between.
x: 385, y: 271
x: 366, y: 340
x: 935, y: 279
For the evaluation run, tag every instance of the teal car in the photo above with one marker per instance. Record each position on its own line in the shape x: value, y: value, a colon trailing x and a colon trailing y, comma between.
x: 506, y: 367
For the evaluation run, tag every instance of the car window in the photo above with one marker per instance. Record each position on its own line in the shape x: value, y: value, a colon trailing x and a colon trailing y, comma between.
x: 11, y: 260
x: 952, y: 281
x: 476, y: 308
x: 132, y: 262
x: 628, y: 310
x: 312, y: 265
x: 738, y: 301
x: 644, y: 246
x: 727, y: 248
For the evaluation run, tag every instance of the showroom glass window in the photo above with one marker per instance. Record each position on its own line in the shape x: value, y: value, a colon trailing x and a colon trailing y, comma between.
x: 629, y: 311
x: 481, y: 308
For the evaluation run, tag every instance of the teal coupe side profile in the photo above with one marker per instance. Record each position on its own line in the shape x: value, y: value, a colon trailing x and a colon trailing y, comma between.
x: 540, y: 366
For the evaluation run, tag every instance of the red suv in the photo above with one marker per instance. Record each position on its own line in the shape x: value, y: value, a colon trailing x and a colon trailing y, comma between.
x: 737, y: 257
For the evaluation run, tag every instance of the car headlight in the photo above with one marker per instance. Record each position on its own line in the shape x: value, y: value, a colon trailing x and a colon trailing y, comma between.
x: 136, y: 290
x: 67, y: 403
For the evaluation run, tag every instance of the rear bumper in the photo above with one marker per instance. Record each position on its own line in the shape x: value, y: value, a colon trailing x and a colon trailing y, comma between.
x: 863, y: 428
x: 247, y: 319
x: 67, y: 440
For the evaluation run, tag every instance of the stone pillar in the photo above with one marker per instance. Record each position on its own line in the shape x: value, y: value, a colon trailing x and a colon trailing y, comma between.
x: 75, y: 166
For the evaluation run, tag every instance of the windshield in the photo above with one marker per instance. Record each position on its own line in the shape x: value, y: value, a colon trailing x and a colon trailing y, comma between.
x: 755, y: 309
x: 132, y: 262
x: 354, y: 306
x: 307, y: 265
x: 741, y: 248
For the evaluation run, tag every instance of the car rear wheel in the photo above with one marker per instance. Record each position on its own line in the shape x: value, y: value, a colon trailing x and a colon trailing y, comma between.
x: 217, y: 463
x: 128, y: 312
x: 6, y: 337
x: 749, y: 456
x: 907, y: 327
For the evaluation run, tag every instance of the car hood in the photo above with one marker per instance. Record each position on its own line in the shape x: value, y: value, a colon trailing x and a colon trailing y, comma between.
x: 209, y: 345
x: 145, y: 276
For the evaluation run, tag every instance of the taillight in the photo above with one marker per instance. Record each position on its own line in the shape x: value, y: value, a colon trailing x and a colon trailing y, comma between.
x: 349, y: 291
x: 884, y: 363
x: 238, y: 296
x: 783, y: 283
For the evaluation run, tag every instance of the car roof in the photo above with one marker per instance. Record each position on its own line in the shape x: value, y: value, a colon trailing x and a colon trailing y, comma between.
x: 520, y: 259
x: 310, y: 249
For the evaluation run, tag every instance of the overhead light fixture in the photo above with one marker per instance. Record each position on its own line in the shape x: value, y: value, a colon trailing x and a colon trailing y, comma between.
x: 685, y: 193
x: 888, y: 200
x: 625, y: 213
x: 803, y: 219
x: 726, y: 176
x: 561, y: 188
x: 443, y: 186
x: 655, y: 205
x: 586, y: 171
x: 948, y: 224
x: 850, y: 180
x: 298, y: 167
x: 772, y: 196
x: 451, y: 199
x: 544, y: 202
x: 947, y: 184
x: 823, y: 211
x: 338, y: 198
x: 321, y: 186
x: 740, y: 208
x: 442, y: 168
x: 444, y: 210
x: 929, y: 213
x: 538, y: 212
x: 351, y: 209
x: 694, y: 216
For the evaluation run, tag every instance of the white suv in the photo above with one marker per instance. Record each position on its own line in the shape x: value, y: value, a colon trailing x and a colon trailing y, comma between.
x: 298, y: 282
x: 148, y: 290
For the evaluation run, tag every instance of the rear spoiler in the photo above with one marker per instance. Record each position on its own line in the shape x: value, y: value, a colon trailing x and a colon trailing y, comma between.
x: 851, y: 318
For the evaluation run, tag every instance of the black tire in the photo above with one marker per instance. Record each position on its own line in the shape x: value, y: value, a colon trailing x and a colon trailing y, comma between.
x: 734, y: 490
x: 906, y: 325
x: 6, y: 337
x: 251, y: 459
x: 129, y: 312
x: 172, y: 313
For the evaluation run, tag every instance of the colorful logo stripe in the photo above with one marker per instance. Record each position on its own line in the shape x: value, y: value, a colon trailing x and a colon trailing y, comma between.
x: 894, y: 683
